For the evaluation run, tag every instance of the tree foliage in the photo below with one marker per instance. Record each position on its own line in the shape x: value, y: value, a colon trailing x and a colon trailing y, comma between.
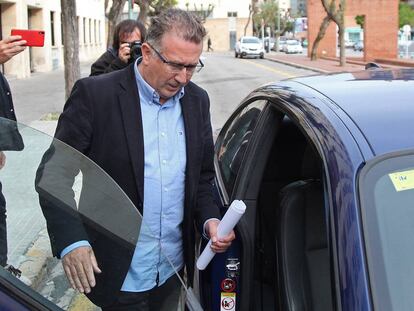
x: 201, y: 11
x: 360, y: 20
x: 268, y: 13
x: 406, y: 15
x: 152, y: 7
x: 146, y: 8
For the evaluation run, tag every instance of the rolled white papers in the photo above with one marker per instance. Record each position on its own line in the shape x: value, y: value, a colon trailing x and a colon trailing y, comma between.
x: 229, y: 221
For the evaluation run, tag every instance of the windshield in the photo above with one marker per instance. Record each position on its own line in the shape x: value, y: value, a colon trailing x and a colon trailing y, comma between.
x: 387, y: 196
x: 45, y: 179
x: 251, y: 40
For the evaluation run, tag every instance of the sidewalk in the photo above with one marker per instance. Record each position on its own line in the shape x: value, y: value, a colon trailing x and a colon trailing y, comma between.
x: 320, y: 65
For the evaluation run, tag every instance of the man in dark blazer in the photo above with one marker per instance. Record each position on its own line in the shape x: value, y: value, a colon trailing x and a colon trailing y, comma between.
x: 145, y: 125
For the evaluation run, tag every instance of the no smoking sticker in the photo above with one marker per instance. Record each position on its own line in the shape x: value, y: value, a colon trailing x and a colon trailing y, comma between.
x: 228, y: 302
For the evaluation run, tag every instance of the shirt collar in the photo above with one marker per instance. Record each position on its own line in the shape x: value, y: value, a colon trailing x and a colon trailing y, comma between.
x: 147, y: 91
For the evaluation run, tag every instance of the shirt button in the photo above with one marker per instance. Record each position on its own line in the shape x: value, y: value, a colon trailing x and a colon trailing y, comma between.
x: 8, y: 93
x: 165, y: 189
x: 164, y: 161
x: 162, y: 134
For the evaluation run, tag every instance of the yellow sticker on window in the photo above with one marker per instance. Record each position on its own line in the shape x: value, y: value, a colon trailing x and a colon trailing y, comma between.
x: 403, y: 180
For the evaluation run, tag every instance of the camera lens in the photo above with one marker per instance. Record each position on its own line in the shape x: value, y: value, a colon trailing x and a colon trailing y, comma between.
x: 135, y: 50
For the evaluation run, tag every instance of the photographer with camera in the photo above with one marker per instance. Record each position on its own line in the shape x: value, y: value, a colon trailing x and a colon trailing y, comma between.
x: 126, y: 47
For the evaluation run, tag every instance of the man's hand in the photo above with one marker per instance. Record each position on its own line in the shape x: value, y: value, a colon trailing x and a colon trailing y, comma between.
x: 80, y: 265
x: 124, y: 52
x: 11, y: 46
x: 222, y: 244
x: 2, y: 159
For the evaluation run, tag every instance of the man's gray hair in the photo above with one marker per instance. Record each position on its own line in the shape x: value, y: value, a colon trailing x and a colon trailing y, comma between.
x: 185, y: 25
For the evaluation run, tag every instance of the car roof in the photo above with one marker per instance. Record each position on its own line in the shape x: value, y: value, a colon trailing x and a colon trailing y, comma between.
x: 379, y: 102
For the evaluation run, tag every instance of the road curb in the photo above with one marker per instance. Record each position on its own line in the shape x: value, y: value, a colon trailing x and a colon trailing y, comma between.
x: 34, y: 264
x: 318, y: 70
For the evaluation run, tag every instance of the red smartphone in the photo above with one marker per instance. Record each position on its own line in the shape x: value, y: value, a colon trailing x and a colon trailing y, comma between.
x: 32, y: 37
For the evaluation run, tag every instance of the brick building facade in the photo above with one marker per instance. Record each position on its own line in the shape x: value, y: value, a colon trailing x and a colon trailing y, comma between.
x: 380, y: 29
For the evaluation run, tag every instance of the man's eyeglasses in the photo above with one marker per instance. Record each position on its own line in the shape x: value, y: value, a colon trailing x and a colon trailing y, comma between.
x: 176, y: 68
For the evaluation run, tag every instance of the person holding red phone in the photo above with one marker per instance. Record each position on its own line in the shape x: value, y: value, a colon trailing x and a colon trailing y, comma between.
x: 9, y: 47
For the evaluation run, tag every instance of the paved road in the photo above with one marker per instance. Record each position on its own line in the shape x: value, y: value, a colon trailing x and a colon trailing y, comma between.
x: 227, y: 79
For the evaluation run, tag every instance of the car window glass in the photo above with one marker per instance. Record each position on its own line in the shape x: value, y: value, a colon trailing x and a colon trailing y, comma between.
x: 387, y: 191
x: 251, y: 40
x: 81, y: 199
x: 234, y: 140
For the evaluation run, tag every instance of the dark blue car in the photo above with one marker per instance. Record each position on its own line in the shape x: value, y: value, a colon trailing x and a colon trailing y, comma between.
x: 325, y: 165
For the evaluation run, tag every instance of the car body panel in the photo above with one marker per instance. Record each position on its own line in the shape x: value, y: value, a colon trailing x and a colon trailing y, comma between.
x: 370, y: 112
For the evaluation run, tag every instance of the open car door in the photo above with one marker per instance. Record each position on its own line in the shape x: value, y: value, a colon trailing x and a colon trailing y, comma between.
x: 78, y: 199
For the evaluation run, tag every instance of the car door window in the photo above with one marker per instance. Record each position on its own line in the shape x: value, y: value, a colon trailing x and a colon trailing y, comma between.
x: 233, y: 140
x: 81, y: 199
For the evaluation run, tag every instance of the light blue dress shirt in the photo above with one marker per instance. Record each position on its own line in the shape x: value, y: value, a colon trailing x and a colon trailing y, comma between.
x: 159, y: 251
x: 160, y: 239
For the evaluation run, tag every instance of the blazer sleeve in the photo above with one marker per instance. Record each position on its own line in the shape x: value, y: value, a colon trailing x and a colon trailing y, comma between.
x: 58, y: 168
x: 107, y: 63
x: 206, y: 207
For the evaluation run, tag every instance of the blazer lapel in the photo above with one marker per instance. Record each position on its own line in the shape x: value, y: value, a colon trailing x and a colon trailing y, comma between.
x: 132, y: 120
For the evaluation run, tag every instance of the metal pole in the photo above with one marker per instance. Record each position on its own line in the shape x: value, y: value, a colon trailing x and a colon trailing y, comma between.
x: 278, y: 26
x: 130, y: 7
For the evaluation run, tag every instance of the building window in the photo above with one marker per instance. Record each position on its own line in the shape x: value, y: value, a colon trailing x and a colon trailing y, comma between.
x: 231, y: 14
x: 52, y: 27
x: 90, y: 30
x: 61, y: 29
x: 94, y: 32
x: 84, y: 30
x: 99, y: 32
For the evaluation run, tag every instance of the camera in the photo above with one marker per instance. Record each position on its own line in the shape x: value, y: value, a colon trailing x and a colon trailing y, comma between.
x: 135, y: 50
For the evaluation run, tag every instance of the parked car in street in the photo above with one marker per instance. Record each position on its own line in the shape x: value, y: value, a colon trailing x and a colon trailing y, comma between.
x: 292, y: 47
x: 282, y: 43
x: 249, y: 47
x: 325, y: 166
x: 359, y: 46
x: 271, y: 42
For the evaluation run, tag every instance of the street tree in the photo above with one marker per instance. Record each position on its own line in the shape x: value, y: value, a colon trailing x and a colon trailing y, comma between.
x: 336, y: 14
x: 268, y: 15
x: 113, y: 16
x: 406, y: 15
x: 201, y: 11
x: 152, y: 7
x: 252, y: 11
x: 71, y: 44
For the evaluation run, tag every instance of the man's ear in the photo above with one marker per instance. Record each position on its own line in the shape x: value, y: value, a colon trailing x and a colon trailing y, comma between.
x: 146, y: 53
